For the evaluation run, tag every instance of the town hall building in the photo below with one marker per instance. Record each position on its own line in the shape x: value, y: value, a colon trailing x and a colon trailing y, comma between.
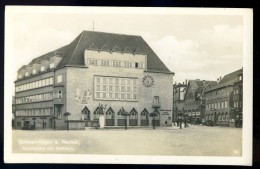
x: 96, y: 75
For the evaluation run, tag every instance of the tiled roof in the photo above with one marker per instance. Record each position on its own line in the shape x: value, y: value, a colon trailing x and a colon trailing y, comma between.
x: 73, y: 53
x: 61, y: 51
x: 227, y: 80
x: 231, y: 76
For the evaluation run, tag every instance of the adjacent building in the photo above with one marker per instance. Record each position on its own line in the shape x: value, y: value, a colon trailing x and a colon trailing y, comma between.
x: 194, y: 103
x: 96, y: 75
x: 224, y: 101
x: 179, y: 91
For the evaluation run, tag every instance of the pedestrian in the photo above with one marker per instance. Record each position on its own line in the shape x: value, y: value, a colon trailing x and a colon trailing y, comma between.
x: 185, y: 122
x: 178, y: 121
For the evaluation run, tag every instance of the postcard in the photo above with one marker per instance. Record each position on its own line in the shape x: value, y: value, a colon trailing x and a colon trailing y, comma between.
x: 125, y: 85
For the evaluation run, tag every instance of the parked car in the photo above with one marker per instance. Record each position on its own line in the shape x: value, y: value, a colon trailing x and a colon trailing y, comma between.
x: 28, y: 127
x: 208, y: 123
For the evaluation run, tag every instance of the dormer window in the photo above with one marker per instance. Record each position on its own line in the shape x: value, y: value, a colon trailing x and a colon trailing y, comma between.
x: 34, y: 71
x: 51, y: 65
x: 19, y: 76
x: 240, y: 77
x: 26, y: 74
x: 42, y: 68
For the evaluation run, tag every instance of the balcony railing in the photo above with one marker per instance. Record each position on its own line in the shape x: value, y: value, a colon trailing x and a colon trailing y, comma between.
x: 156, y: 105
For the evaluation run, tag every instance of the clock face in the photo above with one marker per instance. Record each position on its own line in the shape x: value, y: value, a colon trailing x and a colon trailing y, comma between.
x: 148, y: 81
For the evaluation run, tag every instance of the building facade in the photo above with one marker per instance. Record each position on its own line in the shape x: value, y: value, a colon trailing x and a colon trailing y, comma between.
x: 222, y: 103
x: 97, y: 75
x: 194, y: 104
x: 179, y: 91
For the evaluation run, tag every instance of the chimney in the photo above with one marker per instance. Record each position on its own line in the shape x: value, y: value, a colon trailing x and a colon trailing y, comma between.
x: 183, y: 83
x: 186, y: 81
x: 220, y: 78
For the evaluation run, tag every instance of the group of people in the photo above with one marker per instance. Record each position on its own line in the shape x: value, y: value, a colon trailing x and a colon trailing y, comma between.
x: 180, y: 121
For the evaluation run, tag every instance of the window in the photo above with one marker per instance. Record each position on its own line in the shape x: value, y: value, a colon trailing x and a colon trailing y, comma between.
x: 240, y: 77
x: 219, y: 117
x: 19, y: 76
x: 42, y: 68
x: 141, y: 65
x: 156, y: 100
x: 51, y: 65
x: 43, y: 82
x: 60, y: 94
x: 57, y: 94
x: 34, y: 71
x: 115, y: 88
x: 227, y: 117
x: 223, y: 117
x: 51, y: 81
x: 47, y: 81
x: 27, y: 74
x: 226, y: 104
x: 59, y: 78
x: 136, y: 65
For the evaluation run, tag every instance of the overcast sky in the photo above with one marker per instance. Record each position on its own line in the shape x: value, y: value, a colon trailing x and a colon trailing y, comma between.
x: 192, y: 46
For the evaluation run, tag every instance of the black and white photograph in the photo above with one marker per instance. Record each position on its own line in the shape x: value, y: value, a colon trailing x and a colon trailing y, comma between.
x: 128, y: 85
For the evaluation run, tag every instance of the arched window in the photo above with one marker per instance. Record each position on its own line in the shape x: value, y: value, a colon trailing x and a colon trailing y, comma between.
x: 120, y: 111
x: 96, y: 113
x: 219, y: 117
x: 110, y: 113
x: 145, y: 114
x: 223, y: 117
x: 86, y: 113
x: 133, y: 114
x: 227, y: 117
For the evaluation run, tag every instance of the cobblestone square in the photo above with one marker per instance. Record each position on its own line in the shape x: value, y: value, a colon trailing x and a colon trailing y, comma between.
x: 192, y: 141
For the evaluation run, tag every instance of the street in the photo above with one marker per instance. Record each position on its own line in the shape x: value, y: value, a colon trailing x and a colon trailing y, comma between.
x: 191, y: 141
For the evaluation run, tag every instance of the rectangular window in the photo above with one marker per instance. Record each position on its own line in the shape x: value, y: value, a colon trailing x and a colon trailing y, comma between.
x: 47, y: 81
x: 43, y: 82
x: 34, y: 71
x: 59, y: 78
x: 51, y: 80
x: 51, y: 65
x: 26, y: 74
x: 40, y: 83
x: 42, y: 68
x: 226, y: 104
x: 116, y: 88
x: 36, y: 84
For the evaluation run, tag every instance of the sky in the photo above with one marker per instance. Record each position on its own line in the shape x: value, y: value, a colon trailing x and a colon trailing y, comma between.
x: 193, y: 46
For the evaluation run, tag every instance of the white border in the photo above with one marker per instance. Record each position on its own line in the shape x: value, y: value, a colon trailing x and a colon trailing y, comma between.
x: 245, y: 159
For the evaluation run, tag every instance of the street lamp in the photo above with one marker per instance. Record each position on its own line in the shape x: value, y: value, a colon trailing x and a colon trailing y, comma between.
x: 67, y: 114
x: 124, y: 113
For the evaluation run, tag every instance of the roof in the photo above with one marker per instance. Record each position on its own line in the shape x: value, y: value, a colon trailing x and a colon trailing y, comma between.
x: 231, y: 76
x: 198, y: 86
x: 227, y: 80
x: 73, y: 53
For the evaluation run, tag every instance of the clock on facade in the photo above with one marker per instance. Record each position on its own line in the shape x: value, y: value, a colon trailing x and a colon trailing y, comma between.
x: 148, y: 81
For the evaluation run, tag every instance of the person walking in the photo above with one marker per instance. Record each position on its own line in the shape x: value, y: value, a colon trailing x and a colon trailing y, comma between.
x: 180, y: 121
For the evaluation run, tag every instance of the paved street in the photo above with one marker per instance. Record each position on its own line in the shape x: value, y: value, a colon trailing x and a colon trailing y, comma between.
x: 192, y: 141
